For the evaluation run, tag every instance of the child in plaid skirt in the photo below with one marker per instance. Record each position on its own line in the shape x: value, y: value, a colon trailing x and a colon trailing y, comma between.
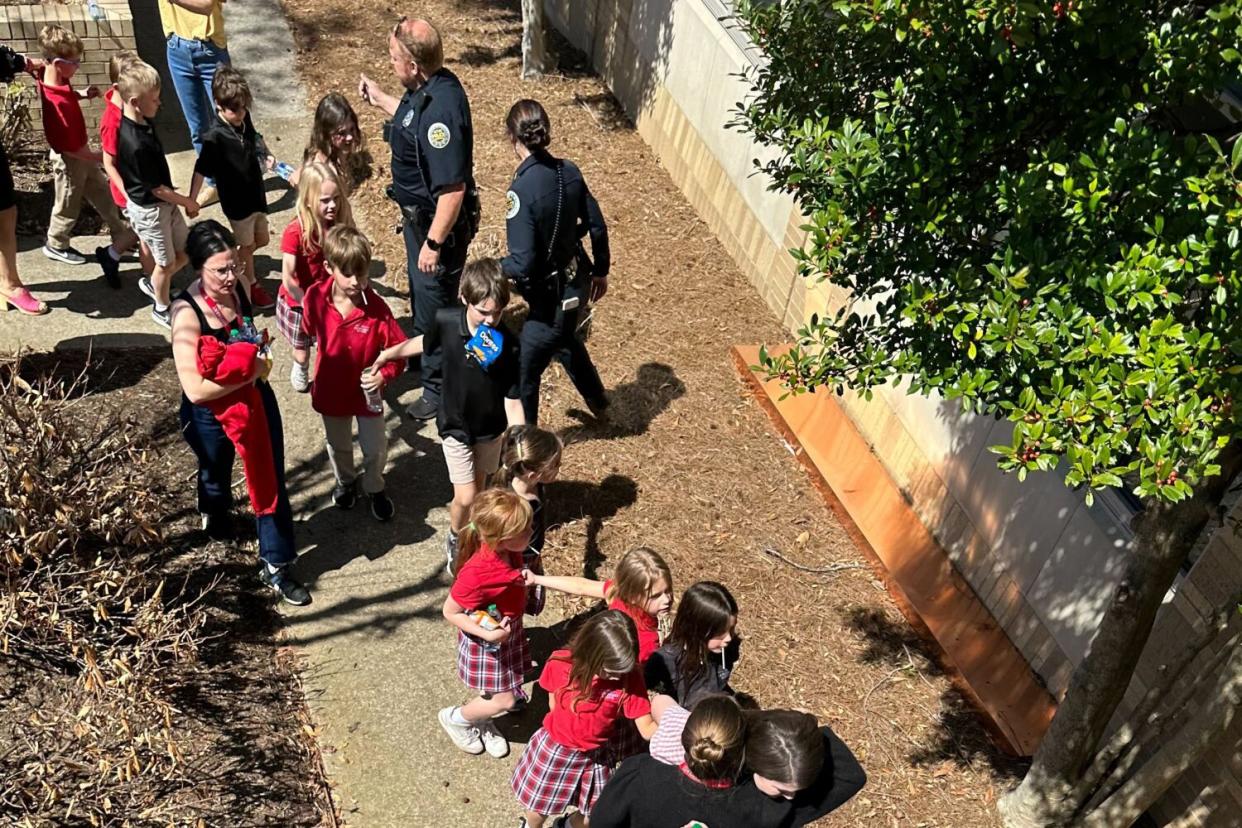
x: 642, y: 588
x: 530, y: 458
x: 592, y: 687
x: 489, y: 575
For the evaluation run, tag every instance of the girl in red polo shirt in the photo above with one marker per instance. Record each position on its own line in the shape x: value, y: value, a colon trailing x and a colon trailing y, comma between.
x: 592, y: 687
x: 491, y: 657
x: 641, y: 587
x: 321, y: 205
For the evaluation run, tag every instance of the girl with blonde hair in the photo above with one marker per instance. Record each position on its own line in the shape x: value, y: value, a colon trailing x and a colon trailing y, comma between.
x: 321, y: 205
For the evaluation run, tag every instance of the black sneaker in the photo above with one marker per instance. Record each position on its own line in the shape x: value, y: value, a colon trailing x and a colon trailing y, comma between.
x: 344, y: 496
x: 450, y: 552
x: 111, y: 267
x: 599, y: 408
x: 381, y: 507
x: 219, y: 527
x: 282, y: 583
x: 422, y: 409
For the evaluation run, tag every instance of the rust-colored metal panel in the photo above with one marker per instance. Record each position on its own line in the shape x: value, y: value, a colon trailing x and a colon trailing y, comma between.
x: 936, y: 600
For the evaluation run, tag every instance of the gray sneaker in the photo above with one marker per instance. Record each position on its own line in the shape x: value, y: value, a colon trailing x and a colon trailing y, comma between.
x: 465, y: 737
x: 68, y: 255
x: 162, y: 317
x: 144, y: 284
x: 450, y: 553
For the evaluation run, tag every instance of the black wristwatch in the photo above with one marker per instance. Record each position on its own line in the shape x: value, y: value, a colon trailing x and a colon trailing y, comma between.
x: 433, y: 245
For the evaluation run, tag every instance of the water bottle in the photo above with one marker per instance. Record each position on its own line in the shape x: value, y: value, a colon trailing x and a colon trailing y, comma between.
x: 283, y: 170
x: 92, y: 8
x: 375, y: 400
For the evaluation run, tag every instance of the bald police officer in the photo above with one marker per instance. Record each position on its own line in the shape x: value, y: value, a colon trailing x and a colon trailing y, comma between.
x: 432, y: 143
x: 549, y: 209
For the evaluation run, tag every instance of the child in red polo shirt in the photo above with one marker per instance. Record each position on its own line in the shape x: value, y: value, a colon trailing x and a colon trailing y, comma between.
x: 593, y: 687
x: 321, y: 205
x: 75, y: 166
x: 352, y: 324
x: 489, y: 579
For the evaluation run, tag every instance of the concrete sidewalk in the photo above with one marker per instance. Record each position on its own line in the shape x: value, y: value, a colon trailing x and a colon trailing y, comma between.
x: 380, y: 659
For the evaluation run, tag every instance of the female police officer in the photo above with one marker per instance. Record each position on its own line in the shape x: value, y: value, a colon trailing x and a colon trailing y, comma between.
x: 549, y: 209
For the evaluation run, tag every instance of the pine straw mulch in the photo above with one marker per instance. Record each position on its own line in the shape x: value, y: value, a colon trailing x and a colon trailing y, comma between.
x: 688, y: 464
x: 235, y: 745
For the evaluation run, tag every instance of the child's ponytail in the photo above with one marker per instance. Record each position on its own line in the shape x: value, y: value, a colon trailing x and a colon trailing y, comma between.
x: 528, y: 449
x: 715, y: 739
x: 495, y: 516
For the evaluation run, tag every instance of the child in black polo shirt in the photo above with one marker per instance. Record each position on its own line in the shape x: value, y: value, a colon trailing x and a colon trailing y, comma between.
x: 233, y: 156
x: 153, y: 203
x: 480, y: 398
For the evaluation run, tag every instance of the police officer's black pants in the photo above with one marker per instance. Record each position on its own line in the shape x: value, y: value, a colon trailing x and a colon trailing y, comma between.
x: 431, y: 291
x: 541, y: 342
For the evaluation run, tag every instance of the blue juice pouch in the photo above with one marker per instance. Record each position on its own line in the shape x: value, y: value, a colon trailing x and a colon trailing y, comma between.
x: 485, y: 346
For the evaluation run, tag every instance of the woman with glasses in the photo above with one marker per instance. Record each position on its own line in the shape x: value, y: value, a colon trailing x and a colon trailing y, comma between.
x: 228, y: 408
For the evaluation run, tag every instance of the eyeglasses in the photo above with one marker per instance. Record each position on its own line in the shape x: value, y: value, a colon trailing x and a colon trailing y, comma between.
x: 231, y: 270
x: 345, y: 132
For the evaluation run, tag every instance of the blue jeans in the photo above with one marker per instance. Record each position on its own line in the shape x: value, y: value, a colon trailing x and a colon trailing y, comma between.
x: 215, y: 455
x: 192, y: 64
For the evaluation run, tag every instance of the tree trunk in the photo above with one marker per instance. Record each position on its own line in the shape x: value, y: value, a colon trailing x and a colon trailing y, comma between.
x: 1054, y: 790
x: 1177, y: 754
x: 534, y: 52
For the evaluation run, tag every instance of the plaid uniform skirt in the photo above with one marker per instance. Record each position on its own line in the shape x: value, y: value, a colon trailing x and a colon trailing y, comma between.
x: 550, y: 777
x: 501, y: 672
x: 624, y: 742
x: 289, y: 323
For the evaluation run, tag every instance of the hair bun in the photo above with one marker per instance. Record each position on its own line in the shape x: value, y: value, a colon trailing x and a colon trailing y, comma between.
x: 706, y: 750
x: 533, y: 134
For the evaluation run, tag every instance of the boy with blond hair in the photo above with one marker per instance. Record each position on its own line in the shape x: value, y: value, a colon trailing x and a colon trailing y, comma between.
x: 233, y: 155
x: 109, y: 124
x: 153, y: 202
x: 75, y: 166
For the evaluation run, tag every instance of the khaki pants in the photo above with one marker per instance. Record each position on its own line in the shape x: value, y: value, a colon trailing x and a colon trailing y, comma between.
x: 372, y: 439
x: 77, y: 179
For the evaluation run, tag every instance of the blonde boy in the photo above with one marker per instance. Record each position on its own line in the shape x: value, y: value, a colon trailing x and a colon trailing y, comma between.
x: 75, y: 166
x: 153, y: 202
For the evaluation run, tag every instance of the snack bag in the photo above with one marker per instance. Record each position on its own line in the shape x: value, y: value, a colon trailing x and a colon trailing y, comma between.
x: 485, y: 346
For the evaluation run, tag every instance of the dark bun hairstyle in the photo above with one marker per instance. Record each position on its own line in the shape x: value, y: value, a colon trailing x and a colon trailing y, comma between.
x: 785, y: 746
x: 528, y: 124
x: 715, y: 739
x: 206, y: 239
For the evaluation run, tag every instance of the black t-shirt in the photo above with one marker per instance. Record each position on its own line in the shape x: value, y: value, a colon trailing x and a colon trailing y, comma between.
x: 472, y: 400
x: 664, y: 673
x: 646, y: 793
x: 140, y: 161
x: 230, y: 156
x: 432, y: 141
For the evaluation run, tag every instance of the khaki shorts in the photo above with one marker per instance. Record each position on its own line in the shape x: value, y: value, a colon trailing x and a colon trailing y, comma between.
x: 161, y: 227
x: 464, y: 461
x: 251, y: 231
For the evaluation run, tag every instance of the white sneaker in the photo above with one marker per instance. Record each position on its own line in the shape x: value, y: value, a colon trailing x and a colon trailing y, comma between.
x: 465, y: 736
x: 299, y: 377
x: 495, y: 744
x: 144, y: 284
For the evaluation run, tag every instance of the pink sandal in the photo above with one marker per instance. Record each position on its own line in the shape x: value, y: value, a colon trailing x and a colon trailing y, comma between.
x: 24, y: 302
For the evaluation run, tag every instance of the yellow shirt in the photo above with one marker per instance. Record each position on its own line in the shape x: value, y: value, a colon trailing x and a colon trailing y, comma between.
x: 191, y: 26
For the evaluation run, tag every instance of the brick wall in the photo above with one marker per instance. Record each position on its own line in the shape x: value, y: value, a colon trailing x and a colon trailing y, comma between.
x: 20, y: 26
x: 1038, y: 558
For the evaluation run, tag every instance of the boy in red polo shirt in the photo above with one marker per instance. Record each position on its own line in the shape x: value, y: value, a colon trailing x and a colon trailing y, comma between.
x: 75, y: 166
x: 351, y: 324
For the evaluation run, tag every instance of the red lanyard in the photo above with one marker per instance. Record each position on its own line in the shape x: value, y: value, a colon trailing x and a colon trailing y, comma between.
x: 215, y: 309
x: 714, y: 784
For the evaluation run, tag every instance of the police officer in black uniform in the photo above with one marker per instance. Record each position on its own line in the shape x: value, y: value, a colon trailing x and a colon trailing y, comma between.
x: 432, y: 141
x: 548, y: 211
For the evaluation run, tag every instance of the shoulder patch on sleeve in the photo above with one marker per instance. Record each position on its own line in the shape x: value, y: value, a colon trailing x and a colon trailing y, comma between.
x: 512, y: 204
x: 438, y: 135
